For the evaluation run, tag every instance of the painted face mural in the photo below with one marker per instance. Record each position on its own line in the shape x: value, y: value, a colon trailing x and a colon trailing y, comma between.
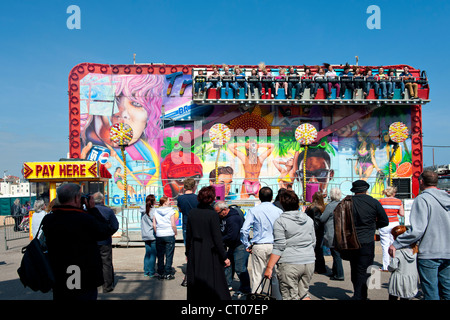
x: 170, y: 141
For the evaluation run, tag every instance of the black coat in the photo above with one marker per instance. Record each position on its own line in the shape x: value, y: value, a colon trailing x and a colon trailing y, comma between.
x: 206, y: 255
x: 71, y: 236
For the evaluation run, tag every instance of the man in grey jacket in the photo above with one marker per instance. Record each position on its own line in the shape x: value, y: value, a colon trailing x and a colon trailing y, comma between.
x: 430, y: 225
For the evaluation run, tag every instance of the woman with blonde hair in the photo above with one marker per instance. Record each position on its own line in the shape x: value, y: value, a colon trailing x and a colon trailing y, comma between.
x: 314, y: 211
x: 394, y: 208
x: 281, y: 80
x: 266, y: 78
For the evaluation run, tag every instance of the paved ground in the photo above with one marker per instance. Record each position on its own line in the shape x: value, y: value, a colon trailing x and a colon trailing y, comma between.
x: 131, y: 284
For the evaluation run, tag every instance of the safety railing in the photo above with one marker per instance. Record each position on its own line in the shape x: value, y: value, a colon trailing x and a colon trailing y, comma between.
x: 237, y: 187
x: 15, y: 228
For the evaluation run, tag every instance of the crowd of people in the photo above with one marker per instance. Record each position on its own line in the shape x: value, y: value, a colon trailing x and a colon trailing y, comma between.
x: 261, y: 80
x: 281, y: 241
x: 277, y: 239
x: 76, y: 231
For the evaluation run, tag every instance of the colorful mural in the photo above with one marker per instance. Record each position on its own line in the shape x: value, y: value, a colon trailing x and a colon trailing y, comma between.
x: 170, y: 141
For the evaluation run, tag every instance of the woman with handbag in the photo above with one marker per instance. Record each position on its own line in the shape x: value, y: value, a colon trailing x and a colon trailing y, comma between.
x: 293, y: 249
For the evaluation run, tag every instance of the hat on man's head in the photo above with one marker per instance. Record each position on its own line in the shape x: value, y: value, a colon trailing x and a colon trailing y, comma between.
x: 359, y: 186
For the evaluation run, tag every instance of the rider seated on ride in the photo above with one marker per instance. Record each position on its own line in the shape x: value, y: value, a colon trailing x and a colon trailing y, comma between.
x: 293, y: 82
x: 383, y: 82
x: 254, y: 81
x: 214, y: 79
x: 333, y: 80
x: 200, y: 82
x: 307, y: 82
x: 346, y: 80
x: 266, y: 78
x: 281, y: 76
x: 239, y: 75
x: 397, y: 83
x: 320, y: 81
x: 370, y: 83
x: 411, y: 86
x: 227, y: 77
x: 359, y: 83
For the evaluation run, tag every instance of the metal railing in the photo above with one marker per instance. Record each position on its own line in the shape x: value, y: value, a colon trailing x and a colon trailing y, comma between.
x: 343, y: 183
x: 15, y: 228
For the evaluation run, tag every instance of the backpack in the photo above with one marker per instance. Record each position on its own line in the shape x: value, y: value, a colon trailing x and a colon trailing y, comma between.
x: 35, y: 271
x: 345, y: 237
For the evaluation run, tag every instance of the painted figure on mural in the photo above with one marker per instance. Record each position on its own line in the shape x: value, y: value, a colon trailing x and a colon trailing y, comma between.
x: 252, y: 163
x: 318, y: 168
x: 119, y: 181
x: 224, y: 176
x: 175, y: 168
x: 136, y: 101
x: 365, y: 154
x: 287, y: 171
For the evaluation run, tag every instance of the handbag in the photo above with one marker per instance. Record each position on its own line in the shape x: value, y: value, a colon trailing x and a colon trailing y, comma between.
x: 35, y: 271
x: 260, y: 295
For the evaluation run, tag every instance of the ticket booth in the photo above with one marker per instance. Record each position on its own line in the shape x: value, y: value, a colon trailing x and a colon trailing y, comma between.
x: 92, y: 176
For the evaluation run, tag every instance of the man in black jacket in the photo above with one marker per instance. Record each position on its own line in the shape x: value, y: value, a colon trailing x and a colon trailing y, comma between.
x: 105, y: 246
x: 368, y: 215
x: 71, y: 236
x: 231, y: 223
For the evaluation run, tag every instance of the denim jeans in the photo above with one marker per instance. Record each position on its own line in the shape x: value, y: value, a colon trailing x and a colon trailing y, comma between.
x: 165, y: 247
x: 323, y: 85
x: 434, y: 278
x: 337, y: 268
x: 199, y: 86
x: 150, y: 257
x: 257, y: 85
x: 237, y: 85
x: 217, y: 84
x: 239, y: 260
x: 386, y: 88
x: 297, y: 86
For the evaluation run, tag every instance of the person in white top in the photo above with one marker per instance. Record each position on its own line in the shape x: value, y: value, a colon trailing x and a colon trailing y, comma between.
x: 38, y: 215
x: 164, y: 224
x: 333, y: 81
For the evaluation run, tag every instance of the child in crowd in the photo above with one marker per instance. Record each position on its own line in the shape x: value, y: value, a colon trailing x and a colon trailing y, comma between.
x: 404, y: 277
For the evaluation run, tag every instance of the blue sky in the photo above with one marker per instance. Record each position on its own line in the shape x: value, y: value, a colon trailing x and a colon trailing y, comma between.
x: 38, y: 51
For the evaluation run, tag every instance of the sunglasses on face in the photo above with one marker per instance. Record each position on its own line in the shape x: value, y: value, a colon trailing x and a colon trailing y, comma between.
x: 319, y: 174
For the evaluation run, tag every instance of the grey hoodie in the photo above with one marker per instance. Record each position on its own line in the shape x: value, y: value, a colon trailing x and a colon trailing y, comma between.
x: 404, y: 277
x: 294, y: 238
x: 430, y: 224
x: 147, y: 231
